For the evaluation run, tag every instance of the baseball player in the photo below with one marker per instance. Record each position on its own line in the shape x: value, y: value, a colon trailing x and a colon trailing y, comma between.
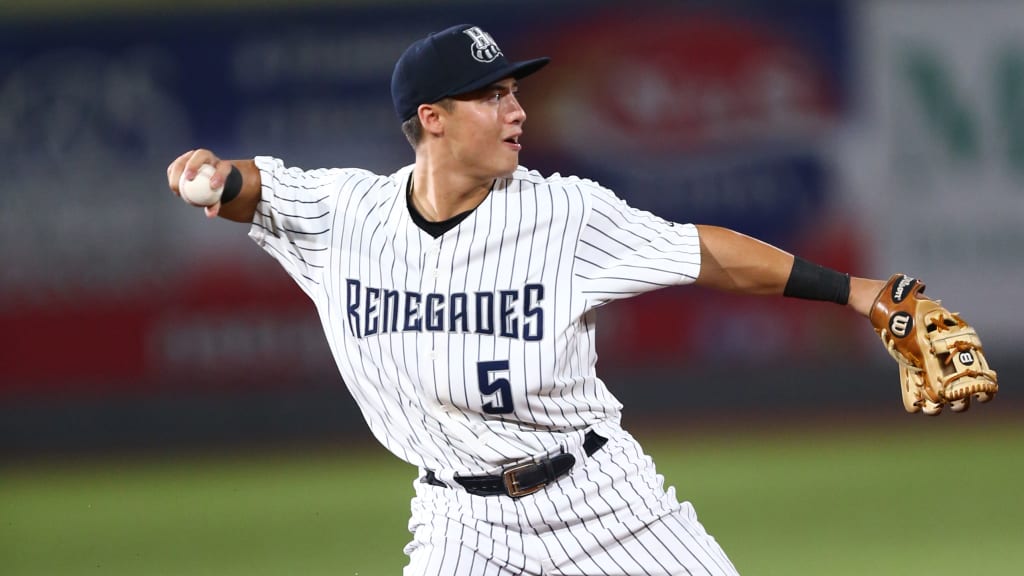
x: 459, y: 296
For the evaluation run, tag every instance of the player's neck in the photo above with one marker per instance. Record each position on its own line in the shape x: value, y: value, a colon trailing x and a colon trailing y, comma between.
x: 440, y: 194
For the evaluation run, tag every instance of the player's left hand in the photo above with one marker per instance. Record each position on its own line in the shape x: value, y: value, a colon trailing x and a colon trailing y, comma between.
x: 940, y: 355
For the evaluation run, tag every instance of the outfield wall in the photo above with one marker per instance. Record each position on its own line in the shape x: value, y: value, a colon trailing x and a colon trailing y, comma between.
x: 866, y: 136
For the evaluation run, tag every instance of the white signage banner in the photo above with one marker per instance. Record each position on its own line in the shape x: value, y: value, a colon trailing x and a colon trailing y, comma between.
x: 936, y: 152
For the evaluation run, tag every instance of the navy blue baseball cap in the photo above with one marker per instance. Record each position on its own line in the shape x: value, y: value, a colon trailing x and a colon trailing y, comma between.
x: 455, y: 61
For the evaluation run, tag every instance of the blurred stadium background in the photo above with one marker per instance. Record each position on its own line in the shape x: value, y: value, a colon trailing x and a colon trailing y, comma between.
x: 168, y: 404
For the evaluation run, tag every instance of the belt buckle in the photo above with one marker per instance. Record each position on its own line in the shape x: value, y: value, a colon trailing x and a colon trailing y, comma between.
x: 508, y: 477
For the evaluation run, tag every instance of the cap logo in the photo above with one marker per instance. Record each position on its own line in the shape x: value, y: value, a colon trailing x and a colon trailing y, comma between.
x: 484, y: 48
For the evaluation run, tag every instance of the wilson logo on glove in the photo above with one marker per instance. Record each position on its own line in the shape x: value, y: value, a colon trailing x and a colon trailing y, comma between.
x: 899, y: 290
x: 900, y: 324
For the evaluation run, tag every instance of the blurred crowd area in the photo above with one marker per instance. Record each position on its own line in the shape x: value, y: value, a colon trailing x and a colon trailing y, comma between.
x: 872, y: 136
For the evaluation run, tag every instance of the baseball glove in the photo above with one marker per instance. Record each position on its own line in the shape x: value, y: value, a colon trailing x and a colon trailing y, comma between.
x: 940, y: 355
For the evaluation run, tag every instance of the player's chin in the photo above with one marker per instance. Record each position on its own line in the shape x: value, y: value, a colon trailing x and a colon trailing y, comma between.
x: 508, y: 164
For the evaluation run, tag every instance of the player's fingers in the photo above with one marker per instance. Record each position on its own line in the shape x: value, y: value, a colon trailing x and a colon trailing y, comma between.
x: 223, y: 168
x: 212, y: 211
x: 174, y: 170
x: 197, y: 159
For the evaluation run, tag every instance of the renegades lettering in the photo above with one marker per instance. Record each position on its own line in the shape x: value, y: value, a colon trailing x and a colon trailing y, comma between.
x: 507, y: 313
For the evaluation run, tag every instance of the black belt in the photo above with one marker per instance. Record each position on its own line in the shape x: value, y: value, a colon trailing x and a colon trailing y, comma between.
x: 525, y: 478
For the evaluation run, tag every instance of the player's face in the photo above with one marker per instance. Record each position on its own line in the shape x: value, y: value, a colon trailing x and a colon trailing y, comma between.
x: 484, y: 129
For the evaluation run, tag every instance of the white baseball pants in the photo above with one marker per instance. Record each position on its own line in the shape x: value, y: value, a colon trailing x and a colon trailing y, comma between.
x: 610, y: 516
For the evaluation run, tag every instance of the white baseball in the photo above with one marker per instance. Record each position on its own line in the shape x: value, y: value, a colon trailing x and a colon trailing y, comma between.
x: 197, y: 191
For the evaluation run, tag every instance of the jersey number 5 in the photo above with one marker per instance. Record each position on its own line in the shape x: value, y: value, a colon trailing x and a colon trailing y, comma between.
x: 495, y: 388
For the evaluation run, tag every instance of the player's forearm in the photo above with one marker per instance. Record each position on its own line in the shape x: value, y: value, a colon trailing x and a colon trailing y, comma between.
x: 243, y: 207
x: 735, y: 262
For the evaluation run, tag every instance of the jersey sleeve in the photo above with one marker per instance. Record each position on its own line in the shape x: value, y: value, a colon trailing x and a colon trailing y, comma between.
x: 624, y: 251
x: 294, y: 218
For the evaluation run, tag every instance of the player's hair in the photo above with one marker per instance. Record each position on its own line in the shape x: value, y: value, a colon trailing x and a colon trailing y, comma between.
x: 412, y: 128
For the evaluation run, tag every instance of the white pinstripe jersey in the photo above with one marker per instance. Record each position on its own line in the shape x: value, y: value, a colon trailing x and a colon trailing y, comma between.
x: 477, y: 348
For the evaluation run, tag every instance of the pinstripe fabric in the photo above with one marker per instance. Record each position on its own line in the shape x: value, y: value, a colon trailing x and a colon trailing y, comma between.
x: 610, y: 516
x: 475, y: 350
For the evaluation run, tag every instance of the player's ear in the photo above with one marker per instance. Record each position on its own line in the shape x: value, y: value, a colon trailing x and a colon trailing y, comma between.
x: 431, y: 118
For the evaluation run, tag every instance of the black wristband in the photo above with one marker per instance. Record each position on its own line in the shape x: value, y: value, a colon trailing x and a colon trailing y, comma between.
x: 232, y: 186
x: 813, y: 282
